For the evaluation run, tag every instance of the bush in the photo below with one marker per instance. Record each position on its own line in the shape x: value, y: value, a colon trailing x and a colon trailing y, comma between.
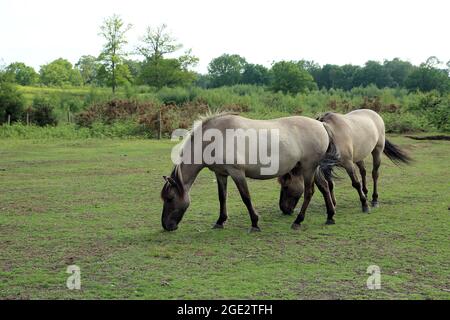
x: 177, y: 96
x: 11, y: 102
x: 435, y: 107
x: 42, y: 112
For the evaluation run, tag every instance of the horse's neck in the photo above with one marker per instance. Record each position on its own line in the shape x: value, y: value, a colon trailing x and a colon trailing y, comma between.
x: 190, y: 173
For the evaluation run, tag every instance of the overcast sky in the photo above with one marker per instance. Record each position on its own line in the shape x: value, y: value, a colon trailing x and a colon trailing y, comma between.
x: 326, y: 31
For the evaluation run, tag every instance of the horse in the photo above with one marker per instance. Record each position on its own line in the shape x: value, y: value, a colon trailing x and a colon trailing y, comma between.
x: 356, y: 135
x: 303, y: 143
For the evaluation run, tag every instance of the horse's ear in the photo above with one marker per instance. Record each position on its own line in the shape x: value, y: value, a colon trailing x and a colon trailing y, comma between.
x: 176, y: 184
x: 165, y: 178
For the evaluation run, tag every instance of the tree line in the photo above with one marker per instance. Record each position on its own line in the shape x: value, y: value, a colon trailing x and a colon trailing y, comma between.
x: 113, y: 67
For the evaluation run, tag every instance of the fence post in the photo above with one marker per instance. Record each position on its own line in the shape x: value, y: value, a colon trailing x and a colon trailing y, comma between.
x: 9, y: 119
x: 28, y: 118
x: 159, y: 125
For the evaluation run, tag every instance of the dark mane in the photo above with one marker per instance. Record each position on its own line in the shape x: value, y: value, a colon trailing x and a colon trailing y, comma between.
x: 324, y: 116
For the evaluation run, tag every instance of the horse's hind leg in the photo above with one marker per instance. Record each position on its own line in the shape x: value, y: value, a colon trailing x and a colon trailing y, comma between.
x: 376, y: 155
x: 222, y: 190
x: 323, y: 187
x: 350, y: 168
x: 331, y: 188
x: 362, y: 171
x: 241, y: 183
x: 308, y: 177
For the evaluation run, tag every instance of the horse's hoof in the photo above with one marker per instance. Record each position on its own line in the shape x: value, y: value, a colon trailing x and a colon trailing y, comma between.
x: 295, y: 226
x: 366, y: 209
x: 254, y: 229
x: 375, y: 204
x: 330, y: 221
x: 218, y: 226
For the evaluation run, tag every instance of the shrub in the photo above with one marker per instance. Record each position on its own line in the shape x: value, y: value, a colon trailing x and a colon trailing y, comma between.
x: 11, y: 102
x: 42, y: 112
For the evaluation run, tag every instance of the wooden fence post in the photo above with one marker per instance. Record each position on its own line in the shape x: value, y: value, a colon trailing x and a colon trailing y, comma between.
x: 9, y: 119
x: 28, y: 118
x: 159, y: 125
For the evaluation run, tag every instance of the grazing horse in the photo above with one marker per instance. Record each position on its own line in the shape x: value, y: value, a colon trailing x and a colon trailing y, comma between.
x: 303, y: 143
x: 356, y: 135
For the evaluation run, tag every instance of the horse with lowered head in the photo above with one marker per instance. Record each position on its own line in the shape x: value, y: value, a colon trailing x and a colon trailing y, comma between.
x: 356, y: 135
x: 298, y: 142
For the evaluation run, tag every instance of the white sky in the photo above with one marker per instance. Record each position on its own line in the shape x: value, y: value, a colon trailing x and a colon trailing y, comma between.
x: 326, y: 31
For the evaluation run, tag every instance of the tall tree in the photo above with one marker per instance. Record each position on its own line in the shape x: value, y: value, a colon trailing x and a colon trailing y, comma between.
x: 256, y: 74
x: 157, y: 42
x: 113, y: 31
x: 88, y: 67
x: 226, y: 70
x: 22, y: 74
x: 60, y: 72
x: 290, y: 77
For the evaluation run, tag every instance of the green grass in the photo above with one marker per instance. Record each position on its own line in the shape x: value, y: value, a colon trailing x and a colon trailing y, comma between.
x: 95, y: 203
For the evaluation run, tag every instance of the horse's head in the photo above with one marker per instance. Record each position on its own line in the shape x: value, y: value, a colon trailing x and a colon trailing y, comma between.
x: 176, y: 200
x: 291, y: 192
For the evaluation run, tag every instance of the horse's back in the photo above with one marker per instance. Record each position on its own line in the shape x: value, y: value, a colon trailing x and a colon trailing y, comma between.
x: 367, y: 132
x: 301, y: 139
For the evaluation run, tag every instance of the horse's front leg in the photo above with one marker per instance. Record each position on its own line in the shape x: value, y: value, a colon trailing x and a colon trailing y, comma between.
x: 308, y: 176
x: 222, y: 190
x: 241, y: 183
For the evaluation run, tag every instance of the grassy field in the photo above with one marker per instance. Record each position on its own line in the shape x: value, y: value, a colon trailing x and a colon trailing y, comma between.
x: 95, y: 203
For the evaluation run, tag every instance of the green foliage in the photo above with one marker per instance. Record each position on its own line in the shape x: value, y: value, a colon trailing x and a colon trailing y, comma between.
x: 436, y: 109
x: 226, y: 70
x: 290, y: 77
x: 42, y: 112
x: 60, y: 73
x: 113, y: 31
x: 88, y: 67
x: 427, y: 78
x: 165, y: 72
x: 22, y: 74
x: 11, y: 102
x: 256, y: 74
x: 176, y: 96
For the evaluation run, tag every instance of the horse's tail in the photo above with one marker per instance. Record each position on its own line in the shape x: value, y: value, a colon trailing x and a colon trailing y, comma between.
x: 395, y: 154
x: 331, y: 159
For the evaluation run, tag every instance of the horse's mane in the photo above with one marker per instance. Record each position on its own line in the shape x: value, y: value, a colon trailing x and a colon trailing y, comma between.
x: 209, y: 115
x: 322, y: 117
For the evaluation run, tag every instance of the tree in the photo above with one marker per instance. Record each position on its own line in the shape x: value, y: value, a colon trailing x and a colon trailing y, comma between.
x: 22, y: 74
x: 156, y: 69
x: 398, y: 70
x: 88, y: 67
x: 11, y: 101
x: 226, y: 70
x: 60, y: 72
x: 157, y: 42
x: 165, y: 72
x: 373, y: 73
x: 427, y: 78
x: 113, y: 31
x: 290, y: 77
x: 255, y: 74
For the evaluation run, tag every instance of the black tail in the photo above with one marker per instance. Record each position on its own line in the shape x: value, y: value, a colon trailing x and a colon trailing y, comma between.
x: 331, y: 159
x: 395, y: 154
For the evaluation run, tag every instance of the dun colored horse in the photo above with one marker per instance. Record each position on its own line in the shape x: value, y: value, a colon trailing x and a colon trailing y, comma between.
x: 356, y: 135
x: 304, y: 144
